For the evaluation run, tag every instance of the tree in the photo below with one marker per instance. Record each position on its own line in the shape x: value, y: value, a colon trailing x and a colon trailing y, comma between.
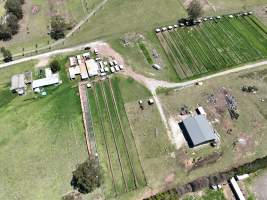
x: 6, y: 54
x: 55, y: 66
x: 15, y: 7
x: 5, y: 32
x: 58, y: 27
x: 194, y: 9
x: 87, y: 176
x: 13, y: 23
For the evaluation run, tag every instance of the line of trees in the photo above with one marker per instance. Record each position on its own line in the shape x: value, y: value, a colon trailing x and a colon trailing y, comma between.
x: 10, y: 23
x: 213, y: 179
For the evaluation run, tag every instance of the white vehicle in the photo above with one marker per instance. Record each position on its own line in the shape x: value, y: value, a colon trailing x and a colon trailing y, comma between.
x: 117, y: 68
x: 121, y: 67
x: 102, y: 70
x: 111, y: 63
x: 106, y: 69
x: 103, y: 74
x: 157, y: 30
x: 105, y: 63
x: 96, y: 52
x: 164, y: 29
x: 115, y: 62
x: 156, y: 66
x: 98, y: 59
x: 112, y: 69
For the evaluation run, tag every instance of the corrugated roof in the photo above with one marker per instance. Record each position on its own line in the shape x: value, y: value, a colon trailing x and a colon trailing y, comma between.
x: 92, y: 67
x: 199, y: 129
x: 17, y: 81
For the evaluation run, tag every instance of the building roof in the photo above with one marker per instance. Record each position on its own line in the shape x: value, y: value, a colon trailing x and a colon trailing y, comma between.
x: 53, y: 79
x: 74, y: 71
x: 84, y: 74
x: 199, y: 130
x: 92, y: 67
x: 17, y: 82
x: 73, y: 61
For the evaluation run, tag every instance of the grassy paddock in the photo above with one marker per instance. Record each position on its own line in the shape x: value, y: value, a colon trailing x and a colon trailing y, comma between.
x: 41, y: 141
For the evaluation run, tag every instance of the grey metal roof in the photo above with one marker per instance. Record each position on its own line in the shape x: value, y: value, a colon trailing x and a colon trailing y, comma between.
x: 17, y: 82
x: 199, y: 129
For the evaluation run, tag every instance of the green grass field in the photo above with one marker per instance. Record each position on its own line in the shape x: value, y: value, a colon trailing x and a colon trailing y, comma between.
x: 41, y: 139
x: 35, y: 24
x: 115, y: 143
x: 214, y: 45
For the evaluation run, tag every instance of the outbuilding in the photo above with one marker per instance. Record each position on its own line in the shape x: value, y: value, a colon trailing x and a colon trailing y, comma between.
x: 18, y: 84
x: 73, y: 61
x: 92, y: 67
x: 198, y: 130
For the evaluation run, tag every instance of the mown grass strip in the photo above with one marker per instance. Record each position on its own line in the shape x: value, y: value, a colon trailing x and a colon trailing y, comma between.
x: 114, y: 154
x: 120, y: 141
x: 102, y: 147
x: 145, y: 52
x: 133, y: 153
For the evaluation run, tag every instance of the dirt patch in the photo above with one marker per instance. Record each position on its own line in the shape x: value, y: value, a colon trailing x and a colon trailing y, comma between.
x: 42, y: 62
x: 177, y: 134
x: 212, y: 158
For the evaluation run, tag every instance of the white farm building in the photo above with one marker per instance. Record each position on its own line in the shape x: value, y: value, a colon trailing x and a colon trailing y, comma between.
x: 92, y: 67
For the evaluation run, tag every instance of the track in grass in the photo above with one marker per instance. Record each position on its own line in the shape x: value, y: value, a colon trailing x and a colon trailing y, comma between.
x: 214, y: 45
x: 115, y: 143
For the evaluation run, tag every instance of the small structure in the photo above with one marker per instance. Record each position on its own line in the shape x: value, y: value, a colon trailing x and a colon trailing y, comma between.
x: 198, y: 131
x: 231, y: 16
x: 86, y: 55
x: 92, y: 67
x: 117, y: 68
x: 112, y: 69
x: 121, y: 67
x: 170, y: 27
x: 28, y: 77
x: 236, y: 190
x: 73, y: 71
x: 164, y: 29
x: 73, y: 61
x: 150, y: 101
x: 156, y: 66
x: 84, y: 74
x: 200, y: 111
x: 157, y: 30
x: 242, y: 177
x: 18, y: 84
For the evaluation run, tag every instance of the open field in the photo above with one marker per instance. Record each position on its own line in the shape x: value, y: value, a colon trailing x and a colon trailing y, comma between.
x: 214, y: 45
x: 115, y: 143
x: 36, y: 21
x: 41, y: 141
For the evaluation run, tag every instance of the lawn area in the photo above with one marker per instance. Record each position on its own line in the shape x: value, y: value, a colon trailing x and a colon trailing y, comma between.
x: 115, y: 143
x: 214, y: 45
x: 41, y: 139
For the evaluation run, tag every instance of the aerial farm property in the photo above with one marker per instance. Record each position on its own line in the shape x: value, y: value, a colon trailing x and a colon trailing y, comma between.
x: 127, y: 100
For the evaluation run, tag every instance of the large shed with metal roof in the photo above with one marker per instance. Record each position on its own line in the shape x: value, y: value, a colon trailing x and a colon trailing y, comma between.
x: 198, y: 130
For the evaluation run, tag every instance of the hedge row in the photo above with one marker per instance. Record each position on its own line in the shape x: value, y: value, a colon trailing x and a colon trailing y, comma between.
x: 213, y: 179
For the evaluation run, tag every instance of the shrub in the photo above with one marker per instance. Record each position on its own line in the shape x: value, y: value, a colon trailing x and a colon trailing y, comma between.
x: 86, y: 177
